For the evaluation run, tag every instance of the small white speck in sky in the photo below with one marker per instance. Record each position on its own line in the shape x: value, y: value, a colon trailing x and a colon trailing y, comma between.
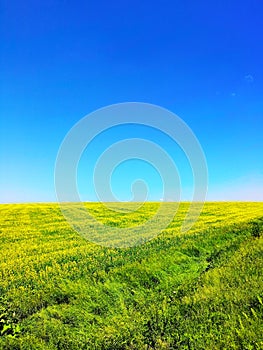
x: 249, y: 78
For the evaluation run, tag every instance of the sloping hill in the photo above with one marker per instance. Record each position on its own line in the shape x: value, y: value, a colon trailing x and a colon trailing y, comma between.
x: 199, y: 290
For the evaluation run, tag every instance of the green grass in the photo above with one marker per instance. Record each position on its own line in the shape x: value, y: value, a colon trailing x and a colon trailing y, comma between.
x: 199, y: 290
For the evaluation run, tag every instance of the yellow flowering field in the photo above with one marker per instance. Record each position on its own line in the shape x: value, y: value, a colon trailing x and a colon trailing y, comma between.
x: 193, y: 290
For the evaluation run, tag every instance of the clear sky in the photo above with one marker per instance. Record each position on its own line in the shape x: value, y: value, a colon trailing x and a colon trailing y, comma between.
x: 61, y: 60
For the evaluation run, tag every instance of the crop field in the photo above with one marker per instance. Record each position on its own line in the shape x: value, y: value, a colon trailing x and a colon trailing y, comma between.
x: 202, y: 289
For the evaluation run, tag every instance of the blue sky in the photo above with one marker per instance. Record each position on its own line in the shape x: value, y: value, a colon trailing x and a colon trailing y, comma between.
x: 62, y: 60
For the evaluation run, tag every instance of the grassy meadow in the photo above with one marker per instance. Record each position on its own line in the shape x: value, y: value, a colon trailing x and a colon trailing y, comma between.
x: 197, y: 290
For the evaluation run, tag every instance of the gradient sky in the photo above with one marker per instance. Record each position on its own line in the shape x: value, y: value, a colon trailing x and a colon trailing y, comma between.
x: 61, y: 60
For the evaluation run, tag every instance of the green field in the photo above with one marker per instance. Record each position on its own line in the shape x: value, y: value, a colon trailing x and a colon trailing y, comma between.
x: 199, y: 290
